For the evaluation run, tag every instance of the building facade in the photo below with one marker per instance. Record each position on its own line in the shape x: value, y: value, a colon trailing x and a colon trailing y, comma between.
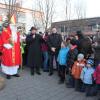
x: 88, y: 26
x: 26, y: 17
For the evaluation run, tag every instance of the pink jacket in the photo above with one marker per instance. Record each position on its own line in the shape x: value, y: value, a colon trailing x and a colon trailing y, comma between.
x: 97, y: 74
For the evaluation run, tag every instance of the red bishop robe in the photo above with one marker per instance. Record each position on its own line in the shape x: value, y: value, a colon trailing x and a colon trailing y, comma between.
x: 10, y: 57
x: 0, y: 46
x: 0, y: 43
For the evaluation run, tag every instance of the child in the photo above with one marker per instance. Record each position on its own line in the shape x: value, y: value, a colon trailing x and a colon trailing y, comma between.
x: 96, y: 76
x: 62, y: 58
x: 87, y: 76
x: 76, y: 71
x: 72, y: 56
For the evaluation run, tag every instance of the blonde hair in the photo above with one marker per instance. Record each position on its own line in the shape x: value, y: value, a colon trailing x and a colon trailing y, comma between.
x: 65, y: 43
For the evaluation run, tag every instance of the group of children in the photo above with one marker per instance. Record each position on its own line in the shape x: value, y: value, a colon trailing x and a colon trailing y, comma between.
x: 77, y: 71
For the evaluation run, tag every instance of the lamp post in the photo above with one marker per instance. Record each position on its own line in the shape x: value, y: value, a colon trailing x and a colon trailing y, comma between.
x: 97, y: 31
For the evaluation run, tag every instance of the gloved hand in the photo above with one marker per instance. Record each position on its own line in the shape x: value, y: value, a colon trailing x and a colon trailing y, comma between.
x: 8, y: 46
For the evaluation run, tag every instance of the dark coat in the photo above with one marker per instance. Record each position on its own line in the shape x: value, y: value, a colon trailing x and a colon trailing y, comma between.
x: 97, y: 55
x: 34, y: 50
x: 72, y: 57
x: 54, y: 40
x: 85, y: 46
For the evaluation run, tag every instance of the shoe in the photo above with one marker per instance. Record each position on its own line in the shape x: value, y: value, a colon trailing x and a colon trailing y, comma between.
x: 38, y: 73
x: 69, y: 86
x: 61, y: 82
x: 88, y: 95
x: 16, y: 75
x: 50, y: 74
x: 82, y: 91
x: 45, y: 70
x: 8, y: 77
x: 32, y: 73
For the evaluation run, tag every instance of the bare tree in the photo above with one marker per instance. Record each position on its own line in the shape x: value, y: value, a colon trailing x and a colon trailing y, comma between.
x: 68, y: 9
x: 34, y: 18
x: 13, y: 7
x: 68, y: 15
x: 80, y: 12
x: 47, y: 7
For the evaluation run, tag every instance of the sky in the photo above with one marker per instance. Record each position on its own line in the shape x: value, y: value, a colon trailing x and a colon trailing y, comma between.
x: 92, y: 8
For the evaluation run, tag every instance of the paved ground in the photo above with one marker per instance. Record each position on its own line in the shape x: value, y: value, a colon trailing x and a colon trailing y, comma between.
x: 41, y: 87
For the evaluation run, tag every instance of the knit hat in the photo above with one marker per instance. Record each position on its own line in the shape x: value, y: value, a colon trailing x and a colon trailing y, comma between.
x: 81, y: 56
x: 90, y: 61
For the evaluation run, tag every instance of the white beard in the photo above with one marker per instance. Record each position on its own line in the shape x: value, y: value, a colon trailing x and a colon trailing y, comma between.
x: 14, y: 33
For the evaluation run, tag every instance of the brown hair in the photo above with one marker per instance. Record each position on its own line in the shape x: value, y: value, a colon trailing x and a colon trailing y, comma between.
x: 33, y: 28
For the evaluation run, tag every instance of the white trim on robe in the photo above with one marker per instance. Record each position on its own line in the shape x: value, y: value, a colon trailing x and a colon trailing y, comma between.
x: 12, y: 70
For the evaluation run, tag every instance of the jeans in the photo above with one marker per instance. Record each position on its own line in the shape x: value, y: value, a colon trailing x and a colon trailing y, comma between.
x: 45, y: 63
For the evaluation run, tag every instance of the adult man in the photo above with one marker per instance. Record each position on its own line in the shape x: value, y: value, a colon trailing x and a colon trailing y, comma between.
x: 97, y: 50
x: 54, y: 43
x: 33, y: 41
x: 11, y: 53
x: 84, y: 44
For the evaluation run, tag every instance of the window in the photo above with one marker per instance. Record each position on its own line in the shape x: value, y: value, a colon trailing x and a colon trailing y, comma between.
x: 66, y: 29
x: 62, y: 28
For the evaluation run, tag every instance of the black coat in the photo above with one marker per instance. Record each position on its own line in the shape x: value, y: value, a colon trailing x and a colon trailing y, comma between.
x: 97, y: 55
x: 34, y: 51
x: 84, y: 46
x: 54, y: 40
x: 72, y: 57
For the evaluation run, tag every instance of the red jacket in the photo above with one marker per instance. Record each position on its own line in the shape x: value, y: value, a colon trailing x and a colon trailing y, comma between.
x: 44, y: 46
x: 96, y: 74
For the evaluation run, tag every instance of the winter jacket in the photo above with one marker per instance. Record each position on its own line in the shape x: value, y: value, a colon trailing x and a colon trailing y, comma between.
x: 72, y: 56
x: 84, y: 46
x: 62, y: 56
x: 96, y: 75
x: 44, y: 46
x: 54, y: 40
x: 97, y: 55
x: 87, y: 75
x: 77, y: 68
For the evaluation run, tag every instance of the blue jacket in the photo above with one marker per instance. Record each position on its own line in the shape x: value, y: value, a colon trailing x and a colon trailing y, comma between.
x: 62, y: 56
x: 87, y: 75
